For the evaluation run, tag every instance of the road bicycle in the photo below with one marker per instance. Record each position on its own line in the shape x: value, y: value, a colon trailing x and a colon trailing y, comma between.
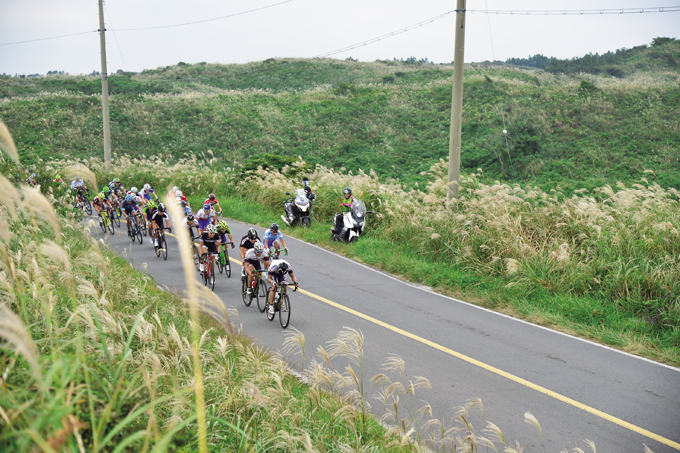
x: 117, y: 213
x: 223, y: 263
x: 135, y: 229
x: 162, y: 246
x: 208, y: 274
x: 259, y: 291
x: 105, y: 222
x: 83, y: 203
x: 281, y: 304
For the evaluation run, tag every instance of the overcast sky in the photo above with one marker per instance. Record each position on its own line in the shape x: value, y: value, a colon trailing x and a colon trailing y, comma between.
x: 308, y: 28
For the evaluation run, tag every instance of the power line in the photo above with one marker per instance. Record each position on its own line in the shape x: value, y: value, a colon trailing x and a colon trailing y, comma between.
x: 388, y: 35
x: 152, y: 28
x: 579, y: 12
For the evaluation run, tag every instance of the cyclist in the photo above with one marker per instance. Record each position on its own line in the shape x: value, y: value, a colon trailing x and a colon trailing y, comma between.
x: 224, y: 231
x: 191, y: 223
x: 248, y: 241
x: 252, y: 260
x: 206, y: 216
x: 129, y: 207
x: 115, y: 186
x: 158, y: 218
x: 184, y: 207
x: 100, y: 203
x: 31, y: 180
x: 172, y: 192
x: 346, y: 207
x: 277, y: 275
x: 58, y: 180
x: 179, y: 194
x: 209, y: 242
x: 147, y: 191
x: 150, y: 210
x: 273, y: 239
x: 213, y: 202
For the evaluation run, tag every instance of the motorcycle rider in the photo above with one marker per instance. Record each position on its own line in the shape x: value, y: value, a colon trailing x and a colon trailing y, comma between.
x: 346, y: 207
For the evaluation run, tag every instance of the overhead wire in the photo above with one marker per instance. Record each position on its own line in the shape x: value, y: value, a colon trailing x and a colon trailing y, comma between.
x: 579, y: 12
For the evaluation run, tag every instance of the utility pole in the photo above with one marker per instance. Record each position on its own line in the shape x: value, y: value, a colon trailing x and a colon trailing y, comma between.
x: 456, y: 105
x: 105, y: 89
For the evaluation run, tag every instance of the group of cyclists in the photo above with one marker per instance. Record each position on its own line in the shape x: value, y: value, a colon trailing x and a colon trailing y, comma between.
x: 204, y: 227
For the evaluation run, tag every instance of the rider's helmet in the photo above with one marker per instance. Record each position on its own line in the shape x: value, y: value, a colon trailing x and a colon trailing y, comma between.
x: 151, y: 204
x: 274, y: 227
x: 211, y: 228
x: 161, y: 207
x: 183, y: 203
x: 223, y: 225
x: 252, y: 234
x: 57, y: 177
x: 106, y: 189
x: 32, y: 175
x: 207, y: 207
x: 178, y: 193
x: 211, y: 196
x: 96, y: 199
x: 259, y: 248
x: 133, y: 189
x: 347, y: 191
x: 283, y: 267
x: 191, y: 218
x: 146, y: 187
x: 129, y: 197
x: 178, y: 200
x: 175, y: 188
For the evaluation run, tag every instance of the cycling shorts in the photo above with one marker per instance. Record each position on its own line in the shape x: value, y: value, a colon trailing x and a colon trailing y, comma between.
x: 202, y: 223
x: 278, y: 278
x: 255, y: 263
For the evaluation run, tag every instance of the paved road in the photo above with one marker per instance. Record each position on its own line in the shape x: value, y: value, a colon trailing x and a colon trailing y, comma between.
x: 576, y: 389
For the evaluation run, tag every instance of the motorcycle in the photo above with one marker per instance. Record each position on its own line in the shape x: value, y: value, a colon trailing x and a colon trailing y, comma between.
x: 298, y: 209
x: 353, y: 223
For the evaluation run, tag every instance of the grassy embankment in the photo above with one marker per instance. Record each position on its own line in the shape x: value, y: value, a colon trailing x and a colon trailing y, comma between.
x: 572, y: 130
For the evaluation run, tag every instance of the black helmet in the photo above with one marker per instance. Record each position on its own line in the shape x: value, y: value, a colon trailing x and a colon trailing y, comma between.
x: 252, y: 234
x: 161, y: 207
x: 274, y: 227
x: 347, y: 191
x: 283, y: 267
x: 191, y: 218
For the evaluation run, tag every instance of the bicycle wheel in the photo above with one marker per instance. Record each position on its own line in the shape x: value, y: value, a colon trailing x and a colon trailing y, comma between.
x: 197, y: 259
x: 88, y: 207
x: 262, y: 296
x: 140, y: 239
x: 227, y: 266
x: 244, y: 294
x: 220, y: 266
x: 284, y: 311
x: 144, y: 232
x: 102, y: 225
x: 164, y: 247
x: 211, y: 275
x: 109, y: 225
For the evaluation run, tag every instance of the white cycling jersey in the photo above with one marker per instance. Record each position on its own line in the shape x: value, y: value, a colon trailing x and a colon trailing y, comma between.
x: 201, y: 214
x: 251, y: 255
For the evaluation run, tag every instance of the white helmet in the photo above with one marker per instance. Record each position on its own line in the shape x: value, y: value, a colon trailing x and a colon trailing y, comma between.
x: 211, y: 228
x: 178, y: 200
x: 178, y: 193
x: 146, y: 187
x: 175, y: 188
x: 133, y: 189
x: 259, y: 248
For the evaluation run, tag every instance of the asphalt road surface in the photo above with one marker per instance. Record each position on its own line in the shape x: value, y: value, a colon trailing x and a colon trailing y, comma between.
x: 576, y: 389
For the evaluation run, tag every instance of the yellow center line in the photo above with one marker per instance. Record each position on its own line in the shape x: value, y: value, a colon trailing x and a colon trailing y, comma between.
x: 492, y: 369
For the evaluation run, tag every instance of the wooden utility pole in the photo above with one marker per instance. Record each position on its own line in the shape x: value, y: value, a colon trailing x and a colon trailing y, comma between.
x: 456, y: 105
x: 105, y: 89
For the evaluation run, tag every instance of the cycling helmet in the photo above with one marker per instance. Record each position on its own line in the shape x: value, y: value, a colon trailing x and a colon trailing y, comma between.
x: 175, y: 188
x: 116, y: 180
x: 252, y: 234
x: 191, y: 218
x: 183, y: 203
x: 32, y: 175
x: 178, y: 200
x: 161, y: 207
x: 347, y: 191
x: 211, y: 228
x: 274, y: 227
x: 223, y: 225
x: 129, y: 197
x: 259, y: 248
x: 133, y: 189
x: 57, y: 177
x: 283, y: 267
x: 146, y: 187
x: 207, y: 207
x: 211, y: 196
x: 106, y: 189
x: 178, y: 193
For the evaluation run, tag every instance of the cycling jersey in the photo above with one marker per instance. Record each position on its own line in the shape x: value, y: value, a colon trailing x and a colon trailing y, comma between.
x: 211, y: 202
x: 255, y: 259
x: 270, y: 238
x: 129, y: 206
x: 204, y: 218
x: 146, y: 193
x: 210, y: 242
x: 274, y: 271
x: 246, y: 244
x: 159, y: 217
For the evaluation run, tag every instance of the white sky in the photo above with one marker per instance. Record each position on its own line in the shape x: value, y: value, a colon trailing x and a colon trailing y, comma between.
x: 307, y: 28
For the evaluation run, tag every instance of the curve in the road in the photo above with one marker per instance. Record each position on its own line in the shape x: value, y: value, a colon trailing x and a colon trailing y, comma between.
x: 493, y: 369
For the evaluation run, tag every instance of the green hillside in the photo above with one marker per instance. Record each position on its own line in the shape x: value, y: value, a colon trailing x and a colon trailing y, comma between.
x: 575, y: 130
